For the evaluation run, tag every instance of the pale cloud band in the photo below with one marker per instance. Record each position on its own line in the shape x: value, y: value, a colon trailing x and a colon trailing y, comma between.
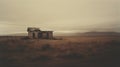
x: 59, y: 15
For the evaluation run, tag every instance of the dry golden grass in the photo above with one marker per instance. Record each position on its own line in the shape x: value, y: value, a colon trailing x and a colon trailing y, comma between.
x: 66, y: 52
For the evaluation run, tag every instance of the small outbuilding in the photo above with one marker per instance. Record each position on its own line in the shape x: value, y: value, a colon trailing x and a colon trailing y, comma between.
x: 36, y: 33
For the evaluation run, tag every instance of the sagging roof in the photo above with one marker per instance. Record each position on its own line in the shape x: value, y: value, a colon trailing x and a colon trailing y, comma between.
x: 32, y: 29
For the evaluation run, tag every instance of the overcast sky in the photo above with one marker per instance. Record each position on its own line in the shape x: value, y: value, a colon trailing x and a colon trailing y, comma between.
x: 59, y: 15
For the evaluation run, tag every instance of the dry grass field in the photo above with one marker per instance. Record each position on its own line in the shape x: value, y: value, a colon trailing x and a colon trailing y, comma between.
x: 69, y: 51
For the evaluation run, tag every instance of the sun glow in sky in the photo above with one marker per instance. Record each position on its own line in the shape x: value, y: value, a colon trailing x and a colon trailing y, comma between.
x: 59, y: 15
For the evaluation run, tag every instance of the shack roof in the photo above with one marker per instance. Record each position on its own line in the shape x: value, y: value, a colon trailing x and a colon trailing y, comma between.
x: 32, y: 29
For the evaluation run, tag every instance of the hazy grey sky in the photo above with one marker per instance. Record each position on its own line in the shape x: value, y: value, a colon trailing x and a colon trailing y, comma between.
x: 59, y: 15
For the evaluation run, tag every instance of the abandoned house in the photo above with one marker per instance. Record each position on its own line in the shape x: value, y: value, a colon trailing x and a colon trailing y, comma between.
x: 36, y: 33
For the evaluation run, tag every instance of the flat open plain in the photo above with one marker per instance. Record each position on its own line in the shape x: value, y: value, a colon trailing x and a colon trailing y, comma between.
x: 69, y: 51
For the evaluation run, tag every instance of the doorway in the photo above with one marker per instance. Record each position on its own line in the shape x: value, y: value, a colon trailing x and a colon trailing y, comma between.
x: 33, y: 35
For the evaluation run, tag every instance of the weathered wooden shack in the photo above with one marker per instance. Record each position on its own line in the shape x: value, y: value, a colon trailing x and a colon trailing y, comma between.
x: 36, y: 33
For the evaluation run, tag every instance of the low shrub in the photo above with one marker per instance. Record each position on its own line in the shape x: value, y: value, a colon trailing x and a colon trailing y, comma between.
x: 71, y: 56
x: 46, y: 47
x: 41, y: 58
